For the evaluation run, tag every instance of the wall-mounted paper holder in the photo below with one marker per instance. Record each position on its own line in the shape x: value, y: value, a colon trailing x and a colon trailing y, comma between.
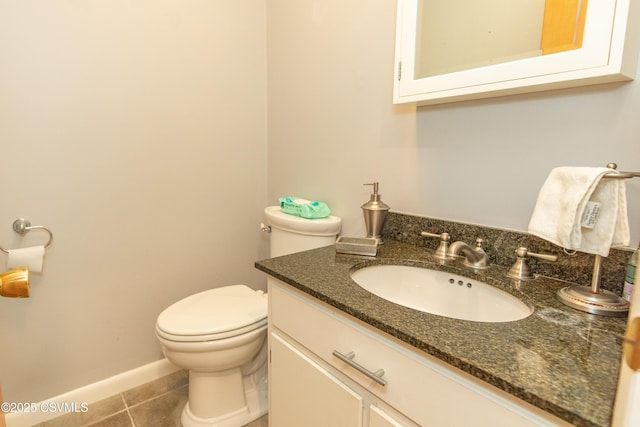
x: 22, y: 226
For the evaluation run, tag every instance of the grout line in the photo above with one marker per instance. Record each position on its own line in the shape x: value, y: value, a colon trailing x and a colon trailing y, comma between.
x: 124, y: 401
x: 129, y: 407
x: 126, y: 408
x: 133, y: 423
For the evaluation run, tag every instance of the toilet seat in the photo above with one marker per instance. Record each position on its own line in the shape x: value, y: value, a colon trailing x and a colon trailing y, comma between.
x: 215, y: 314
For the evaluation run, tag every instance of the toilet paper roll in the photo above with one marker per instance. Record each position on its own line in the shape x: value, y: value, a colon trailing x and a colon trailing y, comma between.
x: 31, y: 257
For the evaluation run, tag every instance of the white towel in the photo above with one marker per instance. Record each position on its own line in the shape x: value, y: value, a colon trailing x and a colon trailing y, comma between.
x: 577, y: 209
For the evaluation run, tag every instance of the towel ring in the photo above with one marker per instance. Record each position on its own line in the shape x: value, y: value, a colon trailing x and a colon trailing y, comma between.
x: 22, y: 226
x: 620, y: 175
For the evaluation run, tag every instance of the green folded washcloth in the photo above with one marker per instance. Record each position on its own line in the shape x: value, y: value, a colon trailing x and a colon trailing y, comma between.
x: 304, y: 208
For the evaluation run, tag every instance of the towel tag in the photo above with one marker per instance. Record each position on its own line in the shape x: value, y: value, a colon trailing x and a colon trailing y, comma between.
x: 591, y: 214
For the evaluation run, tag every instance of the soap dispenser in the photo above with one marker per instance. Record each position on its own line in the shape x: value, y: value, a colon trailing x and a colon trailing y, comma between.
x: 375, y: 212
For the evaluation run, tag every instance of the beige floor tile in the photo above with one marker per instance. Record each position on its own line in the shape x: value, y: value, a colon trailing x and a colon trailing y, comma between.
x: 97, y: 411
x: 163, y: 411
x: 156, y: 388
x: 121, y: 419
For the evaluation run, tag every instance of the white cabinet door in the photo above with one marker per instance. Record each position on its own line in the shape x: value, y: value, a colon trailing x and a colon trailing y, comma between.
x: 302, y: 393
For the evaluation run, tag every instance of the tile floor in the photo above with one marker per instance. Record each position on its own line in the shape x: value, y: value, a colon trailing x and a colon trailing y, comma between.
x: 155, y: 404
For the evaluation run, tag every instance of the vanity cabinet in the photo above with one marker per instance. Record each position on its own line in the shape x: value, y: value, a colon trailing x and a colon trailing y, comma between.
x: 449, y: 52
x: 327, y: 400
x: 309, y: 385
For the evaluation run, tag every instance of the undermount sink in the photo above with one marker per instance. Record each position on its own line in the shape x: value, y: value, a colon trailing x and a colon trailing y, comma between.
x: 441, y: 293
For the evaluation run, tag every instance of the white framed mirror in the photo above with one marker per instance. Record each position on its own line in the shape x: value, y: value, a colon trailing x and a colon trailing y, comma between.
x: 453, y: 50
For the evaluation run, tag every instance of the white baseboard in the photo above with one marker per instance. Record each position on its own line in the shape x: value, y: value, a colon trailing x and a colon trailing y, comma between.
x: 91, y: 393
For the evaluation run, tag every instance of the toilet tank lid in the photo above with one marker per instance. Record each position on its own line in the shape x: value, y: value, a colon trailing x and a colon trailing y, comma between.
x: 329, y: 226
x: 214, y: 311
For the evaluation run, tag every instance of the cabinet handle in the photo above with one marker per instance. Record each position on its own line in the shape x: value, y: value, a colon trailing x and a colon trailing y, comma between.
x: 348, y: 359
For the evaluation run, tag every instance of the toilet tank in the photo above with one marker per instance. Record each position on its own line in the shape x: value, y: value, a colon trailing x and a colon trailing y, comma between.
x: 290, y: 233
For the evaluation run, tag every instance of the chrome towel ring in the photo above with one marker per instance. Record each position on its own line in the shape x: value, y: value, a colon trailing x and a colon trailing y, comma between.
x: 22, y: 226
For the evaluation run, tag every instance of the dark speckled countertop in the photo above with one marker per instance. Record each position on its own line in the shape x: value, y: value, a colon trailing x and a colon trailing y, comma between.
x: 558, y: 359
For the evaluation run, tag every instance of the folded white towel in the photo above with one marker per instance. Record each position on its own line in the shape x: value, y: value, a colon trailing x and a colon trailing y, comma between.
x: 577, y: 209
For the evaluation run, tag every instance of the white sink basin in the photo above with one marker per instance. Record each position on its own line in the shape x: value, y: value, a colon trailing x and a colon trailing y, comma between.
x: 441, y: 293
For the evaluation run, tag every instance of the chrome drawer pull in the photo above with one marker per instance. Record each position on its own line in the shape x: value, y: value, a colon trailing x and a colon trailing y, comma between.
x: 348, y: 359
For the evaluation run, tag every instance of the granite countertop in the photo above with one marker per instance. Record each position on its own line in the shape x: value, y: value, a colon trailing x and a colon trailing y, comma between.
x: 559, y: 359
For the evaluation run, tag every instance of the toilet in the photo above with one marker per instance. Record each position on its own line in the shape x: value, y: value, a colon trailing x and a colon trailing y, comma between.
x: 220, y: 335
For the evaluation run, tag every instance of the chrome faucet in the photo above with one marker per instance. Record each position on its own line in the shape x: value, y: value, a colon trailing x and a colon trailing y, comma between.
x: 473, y: 257
x: 443, y: 248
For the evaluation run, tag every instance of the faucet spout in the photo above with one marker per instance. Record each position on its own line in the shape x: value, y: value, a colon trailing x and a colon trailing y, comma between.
x: 473, y: 257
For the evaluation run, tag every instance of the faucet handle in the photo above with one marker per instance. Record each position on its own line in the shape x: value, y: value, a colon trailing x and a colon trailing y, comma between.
x: 520, y: 268
x: 443, y: 247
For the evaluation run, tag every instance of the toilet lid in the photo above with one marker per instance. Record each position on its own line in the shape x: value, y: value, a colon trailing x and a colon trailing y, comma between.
x: 216, y: 311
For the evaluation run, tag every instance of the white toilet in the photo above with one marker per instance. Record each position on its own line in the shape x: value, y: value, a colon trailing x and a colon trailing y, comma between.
x: 219, y: 335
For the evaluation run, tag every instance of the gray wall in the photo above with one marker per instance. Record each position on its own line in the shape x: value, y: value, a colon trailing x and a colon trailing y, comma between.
x: 332, y: 127
x: 135, y: 131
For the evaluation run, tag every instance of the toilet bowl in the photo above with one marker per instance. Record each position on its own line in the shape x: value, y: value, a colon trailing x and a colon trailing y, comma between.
x: 219, y: 335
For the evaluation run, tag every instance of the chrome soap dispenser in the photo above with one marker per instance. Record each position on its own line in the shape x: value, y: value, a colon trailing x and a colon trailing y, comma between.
x: 375, y: 212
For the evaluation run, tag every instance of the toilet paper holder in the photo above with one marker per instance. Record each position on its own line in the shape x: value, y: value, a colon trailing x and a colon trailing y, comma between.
x: 22, y: 226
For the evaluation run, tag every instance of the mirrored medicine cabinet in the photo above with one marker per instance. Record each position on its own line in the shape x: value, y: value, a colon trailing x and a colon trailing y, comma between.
x: 454, y: 50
